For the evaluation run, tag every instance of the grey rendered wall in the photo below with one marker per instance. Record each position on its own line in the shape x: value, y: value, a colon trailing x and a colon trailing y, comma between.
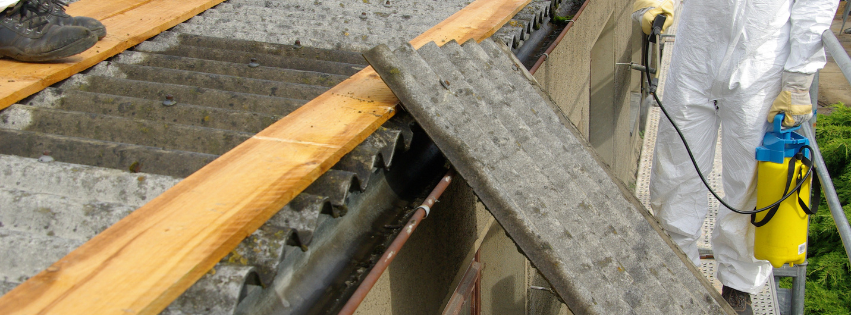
x: 567, y: 77
x: 503, y: 281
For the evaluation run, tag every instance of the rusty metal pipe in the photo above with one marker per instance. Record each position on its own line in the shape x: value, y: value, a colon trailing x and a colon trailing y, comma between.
x: 420, y: 213
x: 555, y: 43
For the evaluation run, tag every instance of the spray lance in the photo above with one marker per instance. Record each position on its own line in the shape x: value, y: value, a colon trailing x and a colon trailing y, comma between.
x: 784, y: 173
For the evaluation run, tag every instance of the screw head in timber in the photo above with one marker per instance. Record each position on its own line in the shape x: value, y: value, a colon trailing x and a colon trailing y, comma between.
x: 169, y: 100
x: 363, y: 15
x: 297, y: 44
x: 387, y: 3
x: 253, y: 63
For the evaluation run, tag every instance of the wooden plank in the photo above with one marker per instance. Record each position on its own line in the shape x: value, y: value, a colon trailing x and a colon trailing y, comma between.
x: 478, y: 21
x: 143, y: 262
x: 103, y: 10
x: 128, y: 23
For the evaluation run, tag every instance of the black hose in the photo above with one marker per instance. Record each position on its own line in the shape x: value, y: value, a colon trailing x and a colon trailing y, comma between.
x: 652, y: 91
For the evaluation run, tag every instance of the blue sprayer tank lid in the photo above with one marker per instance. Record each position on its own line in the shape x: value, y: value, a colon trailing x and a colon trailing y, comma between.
x: 780, y: 143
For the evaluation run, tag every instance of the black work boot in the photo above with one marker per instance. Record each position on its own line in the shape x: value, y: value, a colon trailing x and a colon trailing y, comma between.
x: 55, y: 11
x: 28, y: 36
x: 740, y: 301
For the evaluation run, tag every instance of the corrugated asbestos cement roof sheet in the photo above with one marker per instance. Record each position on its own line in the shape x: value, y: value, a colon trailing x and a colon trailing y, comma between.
x: 589, y: 237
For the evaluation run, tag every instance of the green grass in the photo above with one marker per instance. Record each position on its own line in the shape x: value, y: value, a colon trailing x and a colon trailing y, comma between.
x: 829, y: 274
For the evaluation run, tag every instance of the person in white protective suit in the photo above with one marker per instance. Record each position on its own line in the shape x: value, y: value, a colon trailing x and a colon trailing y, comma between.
x: 735, y: 64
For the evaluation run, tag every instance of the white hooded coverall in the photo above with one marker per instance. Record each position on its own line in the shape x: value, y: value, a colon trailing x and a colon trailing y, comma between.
x: 725, y: 71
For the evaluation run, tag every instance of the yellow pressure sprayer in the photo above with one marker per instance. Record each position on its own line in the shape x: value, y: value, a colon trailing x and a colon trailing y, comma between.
x: 784, y: 165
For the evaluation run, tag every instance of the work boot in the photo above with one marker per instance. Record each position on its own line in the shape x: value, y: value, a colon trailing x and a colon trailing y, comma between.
x: 28, y: 36
x: 740, y: 301
x: 55, y: 9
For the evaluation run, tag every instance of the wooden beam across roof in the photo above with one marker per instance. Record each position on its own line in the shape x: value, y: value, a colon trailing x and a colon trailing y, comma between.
x: 128, y: 23
x: 146, y: 260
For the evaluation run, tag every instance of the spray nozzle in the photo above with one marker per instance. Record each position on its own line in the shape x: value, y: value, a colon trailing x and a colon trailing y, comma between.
x: 635, y: 66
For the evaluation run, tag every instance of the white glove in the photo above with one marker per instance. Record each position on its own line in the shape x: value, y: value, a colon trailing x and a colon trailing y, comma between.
x: 794, y: 99
x: 651, y: 9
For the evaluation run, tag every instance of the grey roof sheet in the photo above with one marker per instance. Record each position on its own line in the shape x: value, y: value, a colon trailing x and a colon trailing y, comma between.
x: 592, y: 240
